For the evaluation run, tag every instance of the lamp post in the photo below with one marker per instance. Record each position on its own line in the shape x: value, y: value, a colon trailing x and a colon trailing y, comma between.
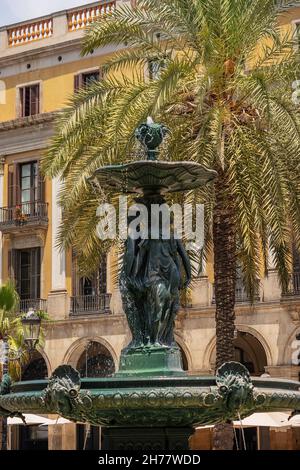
x: 31, y: 324
x: 31, y: 327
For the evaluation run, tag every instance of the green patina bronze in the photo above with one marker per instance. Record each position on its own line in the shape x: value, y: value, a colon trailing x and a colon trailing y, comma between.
x: 151, y: 136
x: 151, y: 278
x: 151, y: 389
x: 152, y: 402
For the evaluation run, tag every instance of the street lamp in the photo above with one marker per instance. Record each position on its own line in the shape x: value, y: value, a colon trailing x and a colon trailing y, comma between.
x: 31, y: 324
x: 31, y: 327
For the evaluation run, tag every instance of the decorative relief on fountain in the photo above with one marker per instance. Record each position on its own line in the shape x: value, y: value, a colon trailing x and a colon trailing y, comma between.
x: 63, y: 394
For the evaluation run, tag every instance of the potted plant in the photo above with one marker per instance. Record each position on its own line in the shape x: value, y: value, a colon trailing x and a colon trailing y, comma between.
x: 20, y: 217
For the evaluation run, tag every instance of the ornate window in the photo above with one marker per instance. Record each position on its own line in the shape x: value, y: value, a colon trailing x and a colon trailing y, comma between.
x: 96, y: 361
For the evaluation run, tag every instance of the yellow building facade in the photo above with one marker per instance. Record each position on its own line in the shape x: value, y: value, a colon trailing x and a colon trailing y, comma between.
x: 40, y: 66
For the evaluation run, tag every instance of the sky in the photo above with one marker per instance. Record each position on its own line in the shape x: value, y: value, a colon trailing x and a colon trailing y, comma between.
x: 13, y: 11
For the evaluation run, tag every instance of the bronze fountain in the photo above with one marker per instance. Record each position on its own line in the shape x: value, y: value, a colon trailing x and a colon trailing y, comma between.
x: 150, y: 390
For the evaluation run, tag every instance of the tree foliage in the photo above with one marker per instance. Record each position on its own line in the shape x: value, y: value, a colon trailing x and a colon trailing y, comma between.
x: 224, y: 92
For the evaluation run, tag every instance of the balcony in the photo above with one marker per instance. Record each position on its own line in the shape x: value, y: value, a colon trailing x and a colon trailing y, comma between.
x: 80, y: 18
x: 32, y: 304
x: 24, y: 216
x: 241, y: 295
x: 50, y: 29
x: 294, y: 286
x: 90, y: 305
x: 30, y: 32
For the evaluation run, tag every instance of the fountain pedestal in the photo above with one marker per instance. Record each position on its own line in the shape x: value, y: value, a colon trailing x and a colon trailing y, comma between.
x: 152, y: 361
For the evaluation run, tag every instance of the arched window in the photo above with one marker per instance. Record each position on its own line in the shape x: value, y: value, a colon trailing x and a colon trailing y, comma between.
x: 96, y: 361
x: 36, y: 369
x: 249, y: 352
x: 242, y: 357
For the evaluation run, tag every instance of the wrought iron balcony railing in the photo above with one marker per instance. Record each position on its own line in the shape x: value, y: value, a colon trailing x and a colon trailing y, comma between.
x: 294, y: 286
x: 241, y: 294
x: 32, y: 304
x: 28, y: 213
x: 90, y: 304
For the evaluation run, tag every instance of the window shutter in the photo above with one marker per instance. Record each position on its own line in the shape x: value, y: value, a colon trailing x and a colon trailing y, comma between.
x: 22, y: 102
x: 13, y: 266
x: 75, y: 288
x: 34, y: 100
x: 35, y: 274
x: 16, y: 185
x: 77, y: 82
x: 102, y: 276
x: 10, y: 264
x: 10, y: 198
x: 41, y: 185
x: 13, y: 185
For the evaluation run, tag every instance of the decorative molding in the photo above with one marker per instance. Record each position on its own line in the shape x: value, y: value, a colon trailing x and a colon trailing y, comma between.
x: 41, y: 235
x: 21, y: 138
x: 46, y: 56
x: 28, y: 121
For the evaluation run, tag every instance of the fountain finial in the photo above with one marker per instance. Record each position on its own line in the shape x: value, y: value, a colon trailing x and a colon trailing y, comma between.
x: 151, y: 136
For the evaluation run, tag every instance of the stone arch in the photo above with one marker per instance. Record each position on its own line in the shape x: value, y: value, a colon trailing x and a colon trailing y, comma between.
x: 208, y: 355
x: 259, y: 350
x: 253, y: 332
x: 37, y: 368
x: 75, y: 351
x: 46, y: 359
x: 185, y: 350
x: 96, y: 361
x: 288, y: 349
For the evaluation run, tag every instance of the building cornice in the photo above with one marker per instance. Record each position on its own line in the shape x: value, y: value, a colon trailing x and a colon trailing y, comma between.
x: 27, y: 121
x: 43, y: 51
x: 26, y: 134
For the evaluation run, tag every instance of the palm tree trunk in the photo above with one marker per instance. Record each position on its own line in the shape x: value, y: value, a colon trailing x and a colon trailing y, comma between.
x: 4, y: 419
x: 224, y: 236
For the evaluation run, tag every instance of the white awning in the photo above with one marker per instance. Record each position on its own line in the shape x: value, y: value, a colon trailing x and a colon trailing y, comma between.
x: 294, y: 421
x: 53, y: 422
x: 271, y: 420
x: 30, y: 419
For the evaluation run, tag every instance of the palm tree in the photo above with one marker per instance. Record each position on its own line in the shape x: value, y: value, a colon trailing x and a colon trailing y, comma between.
x: 10, y: 335
x: 225, y: 92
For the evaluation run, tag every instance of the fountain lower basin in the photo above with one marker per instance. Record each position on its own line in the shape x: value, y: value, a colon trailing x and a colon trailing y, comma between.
x: 135, y: 401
